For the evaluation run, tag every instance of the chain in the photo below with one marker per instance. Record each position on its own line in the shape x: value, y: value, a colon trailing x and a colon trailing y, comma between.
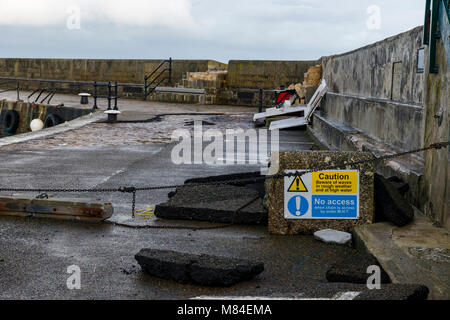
x: 134, y: 190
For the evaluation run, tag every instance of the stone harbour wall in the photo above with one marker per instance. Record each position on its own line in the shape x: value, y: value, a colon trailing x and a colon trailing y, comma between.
x: 102, y: 70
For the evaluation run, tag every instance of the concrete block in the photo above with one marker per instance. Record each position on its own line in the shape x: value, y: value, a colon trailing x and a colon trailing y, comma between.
x: 304, y: 160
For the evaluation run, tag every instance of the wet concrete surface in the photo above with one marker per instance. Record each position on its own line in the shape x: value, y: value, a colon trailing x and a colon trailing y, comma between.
x: 35, y: 254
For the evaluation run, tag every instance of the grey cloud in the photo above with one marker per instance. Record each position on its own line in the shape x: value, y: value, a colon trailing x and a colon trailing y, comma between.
x: 223, y: 30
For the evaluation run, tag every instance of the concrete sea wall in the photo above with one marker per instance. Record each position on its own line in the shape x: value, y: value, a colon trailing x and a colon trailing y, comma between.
x: 376, y: 102
x: 378, y: 90
x: 436, y: 181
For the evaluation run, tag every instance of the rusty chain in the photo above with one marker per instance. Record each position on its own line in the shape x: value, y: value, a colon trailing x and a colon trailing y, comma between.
x: 134, y: 190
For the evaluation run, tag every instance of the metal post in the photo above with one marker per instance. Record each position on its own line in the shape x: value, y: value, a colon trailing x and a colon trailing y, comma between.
x: 426, y: 29
x: 95, y: 96
x: 115, y: 98
x: 109, y: 95
x: 18, y: 89
x: 170, y: 70
x: 145, y: 88
x: 434, y: 35
x: 261, y: 92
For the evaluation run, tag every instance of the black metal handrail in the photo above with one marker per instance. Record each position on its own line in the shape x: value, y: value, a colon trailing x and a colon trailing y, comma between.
x: 150, y: 87
x: 112, y: 86
x: 110, y: 95
x: 49, y: 96
x: 16, y: 88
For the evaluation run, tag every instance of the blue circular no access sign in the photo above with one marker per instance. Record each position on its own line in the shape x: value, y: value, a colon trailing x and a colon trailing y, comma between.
x: 298, y: 206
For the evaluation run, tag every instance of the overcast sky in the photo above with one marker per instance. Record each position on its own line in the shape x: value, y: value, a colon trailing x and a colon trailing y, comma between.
x: 199, y: 29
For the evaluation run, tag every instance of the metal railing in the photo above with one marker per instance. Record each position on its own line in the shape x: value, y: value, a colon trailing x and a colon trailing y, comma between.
x: 16, y: 88
x: 112, y: 89
x: 48, y: 97
x: 260, y: 93
x: 157, y: 77
x: 110, y: 96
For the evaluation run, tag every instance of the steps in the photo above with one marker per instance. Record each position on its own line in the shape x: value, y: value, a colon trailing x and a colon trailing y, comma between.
x: 336, y: 136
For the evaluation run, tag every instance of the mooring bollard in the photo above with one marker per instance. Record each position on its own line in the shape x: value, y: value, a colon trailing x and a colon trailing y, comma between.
x: 261, y: 93
x: 112, y: 115
x: 84, y: 98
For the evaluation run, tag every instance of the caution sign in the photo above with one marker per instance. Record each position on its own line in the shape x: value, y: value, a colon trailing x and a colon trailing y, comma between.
x: 335, y: 182
x: 322, y: 195
x: 297, y: 185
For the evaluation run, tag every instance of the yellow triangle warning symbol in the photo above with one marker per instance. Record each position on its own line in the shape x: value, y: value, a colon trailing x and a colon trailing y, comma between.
x: 298, y: 185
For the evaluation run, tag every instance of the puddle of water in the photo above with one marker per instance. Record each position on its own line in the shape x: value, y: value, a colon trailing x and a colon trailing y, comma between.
x: 436, y: 255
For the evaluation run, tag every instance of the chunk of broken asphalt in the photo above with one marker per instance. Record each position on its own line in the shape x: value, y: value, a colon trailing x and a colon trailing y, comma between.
x: 353, y: 269
x: 197, y: 269
x: 250, y: 180
x: 397, y: 292
x: 214, y: 203
x: 245, y: 179
x: 390, y: 205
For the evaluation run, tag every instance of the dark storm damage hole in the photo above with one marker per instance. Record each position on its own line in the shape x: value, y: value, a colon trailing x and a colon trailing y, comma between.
x: 160, y: 117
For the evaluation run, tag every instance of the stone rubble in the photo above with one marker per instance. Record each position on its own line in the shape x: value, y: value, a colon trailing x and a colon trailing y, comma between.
x: 333, y: 236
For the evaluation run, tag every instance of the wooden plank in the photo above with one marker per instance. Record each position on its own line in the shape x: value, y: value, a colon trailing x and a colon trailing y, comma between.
x: 288, y: 123
x: 61, y: 208
x: 276, y: 112
x: 315, y: 100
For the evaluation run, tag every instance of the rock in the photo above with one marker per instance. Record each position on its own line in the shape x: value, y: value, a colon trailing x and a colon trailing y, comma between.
x: 214, y: 203
x: 411, y: 292
x: 333, y: 236
x: 353, y: 269
x: 300, y: 90
x: 390, y: 205
x: 197, y: 269
x: 397, y: 183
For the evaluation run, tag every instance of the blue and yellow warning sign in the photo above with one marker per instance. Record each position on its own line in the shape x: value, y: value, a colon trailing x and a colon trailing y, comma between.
x: 322, y: 195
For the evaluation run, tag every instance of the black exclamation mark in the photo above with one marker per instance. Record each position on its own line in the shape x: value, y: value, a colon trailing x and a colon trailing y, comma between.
x: 298, y: 184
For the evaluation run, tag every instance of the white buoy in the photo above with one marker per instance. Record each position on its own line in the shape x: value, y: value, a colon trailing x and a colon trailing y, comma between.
x: 36, y: 125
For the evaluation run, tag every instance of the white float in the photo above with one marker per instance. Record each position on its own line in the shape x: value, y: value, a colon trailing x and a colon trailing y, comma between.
x: 36, y: 125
